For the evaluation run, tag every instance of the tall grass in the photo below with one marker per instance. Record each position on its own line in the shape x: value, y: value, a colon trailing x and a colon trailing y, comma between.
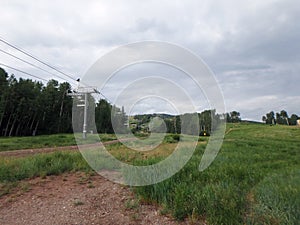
x: 40, y: 165
x: 278, y: 199
x: 250, y: 155
x: 255, y: 179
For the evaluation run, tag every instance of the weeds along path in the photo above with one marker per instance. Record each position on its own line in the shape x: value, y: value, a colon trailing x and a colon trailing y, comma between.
x: 27, y: 152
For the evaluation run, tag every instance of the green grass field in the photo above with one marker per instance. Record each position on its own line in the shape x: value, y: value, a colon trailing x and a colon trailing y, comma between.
x: 255, y: 179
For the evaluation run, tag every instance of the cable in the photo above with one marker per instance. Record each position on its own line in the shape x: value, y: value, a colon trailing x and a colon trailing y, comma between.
x: 31, y: 64
x: 105, y: 97
x: 99, y: 93
x: 21, y: 71
x: 31, y: 56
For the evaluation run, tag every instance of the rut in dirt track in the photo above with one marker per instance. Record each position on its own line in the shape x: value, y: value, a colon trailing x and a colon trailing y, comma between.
x: 27, y: 152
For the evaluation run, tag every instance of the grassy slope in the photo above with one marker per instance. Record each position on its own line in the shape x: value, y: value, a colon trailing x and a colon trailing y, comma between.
x: 254, y: 179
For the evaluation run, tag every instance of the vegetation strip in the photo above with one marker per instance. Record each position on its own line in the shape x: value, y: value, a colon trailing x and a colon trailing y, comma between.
x: 253, y: 180
x: 26, y: 152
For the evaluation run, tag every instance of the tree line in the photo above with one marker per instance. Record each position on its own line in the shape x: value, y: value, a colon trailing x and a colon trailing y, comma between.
x: 207, y: 120
x: 280, y: 118
x: 29, y: 107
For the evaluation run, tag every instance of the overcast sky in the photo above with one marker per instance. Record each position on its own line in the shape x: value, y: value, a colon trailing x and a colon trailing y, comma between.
x: 253, y: 47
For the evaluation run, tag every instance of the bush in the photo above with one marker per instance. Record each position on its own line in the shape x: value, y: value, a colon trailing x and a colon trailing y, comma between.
x: 172, y: 138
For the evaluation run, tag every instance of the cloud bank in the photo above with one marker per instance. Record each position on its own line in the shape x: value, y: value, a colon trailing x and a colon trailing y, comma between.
x: 252, y: 46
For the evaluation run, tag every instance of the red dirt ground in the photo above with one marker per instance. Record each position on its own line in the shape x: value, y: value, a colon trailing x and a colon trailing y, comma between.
x: 76, y: 198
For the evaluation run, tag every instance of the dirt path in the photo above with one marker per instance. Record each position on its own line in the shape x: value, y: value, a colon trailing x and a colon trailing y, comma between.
x: 26, y: 152
x: 76, y: 198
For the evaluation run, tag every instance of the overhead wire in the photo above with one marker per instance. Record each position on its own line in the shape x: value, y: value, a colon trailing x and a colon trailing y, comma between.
x: 40, y: 78
x: 31, y: 64
x: 35, y: 58
x: 40, y: 61
x: 105, y: 97
x: 21, y: 71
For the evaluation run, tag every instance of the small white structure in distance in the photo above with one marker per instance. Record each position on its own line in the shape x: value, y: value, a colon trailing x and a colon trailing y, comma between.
x: 298, y: 122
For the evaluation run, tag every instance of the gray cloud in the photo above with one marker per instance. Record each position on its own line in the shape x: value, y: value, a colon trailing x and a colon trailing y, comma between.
x: 252, y: 46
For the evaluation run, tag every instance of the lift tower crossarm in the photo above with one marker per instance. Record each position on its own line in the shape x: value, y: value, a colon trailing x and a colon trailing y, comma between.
x: 84, y: 91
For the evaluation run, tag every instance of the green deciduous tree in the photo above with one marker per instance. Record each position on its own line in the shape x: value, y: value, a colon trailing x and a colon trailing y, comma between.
x: 293, y: 119
x: 233, y: 117
x: 28, y: 107
x: 270, y: 118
